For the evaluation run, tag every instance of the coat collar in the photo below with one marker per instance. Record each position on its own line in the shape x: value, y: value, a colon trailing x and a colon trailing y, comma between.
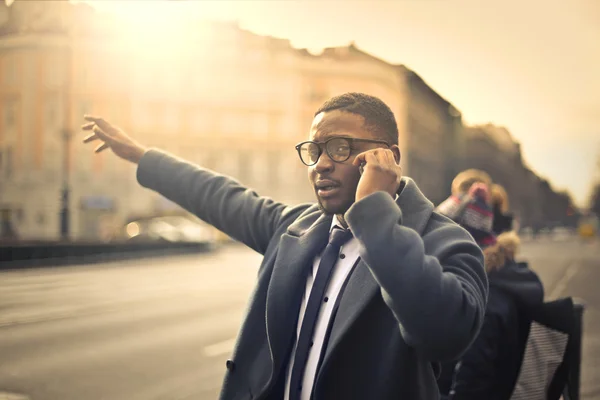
x: 304, y: 239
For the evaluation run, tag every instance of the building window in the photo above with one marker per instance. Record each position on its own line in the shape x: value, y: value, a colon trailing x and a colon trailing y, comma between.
x: 227, y: 163
x: 232, y: 123
x: 40, y: 218
x: 10, y: 71
x: 286, y: 126
x: 171, y: 118
x: 10, y: 113
x: 8, y: 166
x: 83, y: 75
x: 200, y: 122
x: 52, y: 71
x: 51, y: 111
x: 260, y: 169
x: 244, y: 164
x: 275, y: 169
x: 194, y: 154
x: 259, y: 124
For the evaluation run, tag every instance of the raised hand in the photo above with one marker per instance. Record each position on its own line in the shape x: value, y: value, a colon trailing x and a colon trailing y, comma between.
x: 112, y: 138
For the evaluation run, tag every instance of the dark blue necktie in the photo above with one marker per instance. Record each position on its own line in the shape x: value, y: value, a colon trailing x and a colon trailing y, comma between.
x: 329, y: 257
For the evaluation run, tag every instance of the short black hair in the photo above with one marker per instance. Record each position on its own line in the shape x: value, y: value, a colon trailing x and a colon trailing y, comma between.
x: 377, y: 115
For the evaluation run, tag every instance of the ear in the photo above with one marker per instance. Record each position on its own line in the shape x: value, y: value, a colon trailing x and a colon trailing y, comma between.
x: 397, y: 155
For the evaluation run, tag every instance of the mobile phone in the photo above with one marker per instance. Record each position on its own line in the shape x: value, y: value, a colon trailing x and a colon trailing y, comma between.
x: 361, y: 168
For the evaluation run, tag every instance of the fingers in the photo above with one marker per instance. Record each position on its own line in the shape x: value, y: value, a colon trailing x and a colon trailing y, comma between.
x: 90, y: 138
x: 101, y: 148
x: 99, y: 121
x: 98, y: 134
x: 375, y: 156
x: 371, y: 158
x: 389, y: 157
x: 365, y: 158
x: 99, y: 128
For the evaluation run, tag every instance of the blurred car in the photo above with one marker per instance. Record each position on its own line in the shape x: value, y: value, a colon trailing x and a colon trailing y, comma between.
x: 588, y: 226
x: 171, y: 229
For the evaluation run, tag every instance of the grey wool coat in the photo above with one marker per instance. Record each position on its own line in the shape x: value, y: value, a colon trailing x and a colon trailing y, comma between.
x: 417, y: 296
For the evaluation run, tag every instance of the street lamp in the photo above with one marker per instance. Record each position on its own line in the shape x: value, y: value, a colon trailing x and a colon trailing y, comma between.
x: 65, y: 191
x: 66, y: 136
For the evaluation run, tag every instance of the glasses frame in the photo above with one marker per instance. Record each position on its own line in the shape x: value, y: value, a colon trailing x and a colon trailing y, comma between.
x: 323, y: 145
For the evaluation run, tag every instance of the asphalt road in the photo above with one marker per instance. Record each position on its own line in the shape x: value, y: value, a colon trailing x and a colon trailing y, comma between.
x: 163, y: 328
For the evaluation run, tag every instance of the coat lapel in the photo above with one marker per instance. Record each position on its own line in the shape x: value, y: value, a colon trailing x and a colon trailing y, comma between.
x: 362, y: 287
x: 296, y: 252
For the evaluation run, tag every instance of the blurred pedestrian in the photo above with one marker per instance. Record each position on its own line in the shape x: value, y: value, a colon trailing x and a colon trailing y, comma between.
x: 469, y: 205
x: 367, y: 321
x: 490, y: 367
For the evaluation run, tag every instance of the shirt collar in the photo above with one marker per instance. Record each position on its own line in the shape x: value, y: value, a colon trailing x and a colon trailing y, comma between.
x: 335, y: 222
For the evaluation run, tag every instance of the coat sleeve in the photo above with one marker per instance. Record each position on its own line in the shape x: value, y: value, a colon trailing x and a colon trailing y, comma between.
x: 475, y: 375
x: 435, y: 285
x: 214, y: 198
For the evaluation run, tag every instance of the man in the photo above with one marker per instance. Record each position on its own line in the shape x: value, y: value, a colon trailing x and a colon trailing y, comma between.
x: 406, y: 290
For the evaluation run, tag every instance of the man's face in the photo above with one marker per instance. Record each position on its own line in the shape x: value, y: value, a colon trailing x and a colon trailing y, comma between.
x: 335, y: 183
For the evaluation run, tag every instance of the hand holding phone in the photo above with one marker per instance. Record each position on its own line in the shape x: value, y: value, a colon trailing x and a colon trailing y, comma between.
x: 379, y: 173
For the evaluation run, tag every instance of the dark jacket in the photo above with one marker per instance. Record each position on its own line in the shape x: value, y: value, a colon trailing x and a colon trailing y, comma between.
x: 489, y: 369
x: 416, y: 297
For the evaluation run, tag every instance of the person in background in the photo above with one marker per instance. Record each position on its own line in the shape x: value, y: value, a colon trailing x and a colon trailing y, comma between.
x: 469, y: 205
x: 490, y: 368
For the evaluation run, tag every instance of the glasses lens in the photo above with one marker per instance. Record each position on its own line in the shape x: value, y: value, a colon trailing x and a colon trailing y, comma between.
x: 309, y: 153
x: 338, y: 149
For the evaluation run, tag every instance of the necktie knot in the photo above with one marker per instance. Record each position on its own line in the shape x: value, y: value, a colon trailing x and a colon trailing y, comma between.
x: 339, y: 236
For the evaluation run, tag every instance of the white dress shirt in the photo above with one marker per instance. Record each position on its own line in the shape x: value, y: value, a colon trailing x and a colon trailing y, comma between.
x: 340, y: 272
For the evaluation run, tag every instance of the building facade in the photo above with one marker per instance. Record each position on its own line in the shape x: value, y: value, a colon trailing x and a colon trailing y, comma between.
x: 229, y: 105
x: 533, y: 200
x: 217, y: 95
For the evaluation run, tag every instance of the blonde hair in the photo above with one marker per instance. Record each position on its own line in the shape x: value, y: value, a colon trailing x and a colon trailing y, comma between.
x: 499, y: 197
x: 464, y: 180
x: 504, y: 250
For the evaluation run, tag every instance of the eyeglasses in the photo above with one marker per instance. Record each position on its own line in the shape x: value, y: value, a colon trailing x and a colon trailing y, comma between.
x: 338, y: 149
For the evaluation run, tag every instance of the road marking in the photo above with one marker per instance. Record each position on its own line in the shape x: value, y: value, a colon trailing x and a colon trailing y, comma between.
x: 564, y: 281
x: 220, y: 348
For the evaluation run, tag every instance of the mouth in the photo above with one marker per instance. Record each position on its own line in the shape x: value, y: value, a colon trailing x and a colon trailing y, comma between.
x: 327, y: 188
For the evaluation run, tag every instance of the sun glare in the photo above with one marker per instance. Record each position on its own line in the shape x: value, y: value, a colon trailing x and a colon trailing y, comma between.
x: 159, y: 27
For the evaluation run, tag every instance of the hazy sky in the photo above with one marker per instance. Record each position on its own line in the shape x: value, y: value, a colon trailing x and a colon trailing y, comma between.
x: 532, y: 66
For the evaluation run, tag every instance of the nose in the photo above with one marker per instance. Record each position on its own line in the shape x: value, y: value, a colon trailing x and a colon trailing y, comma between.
x: 324, y: 163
